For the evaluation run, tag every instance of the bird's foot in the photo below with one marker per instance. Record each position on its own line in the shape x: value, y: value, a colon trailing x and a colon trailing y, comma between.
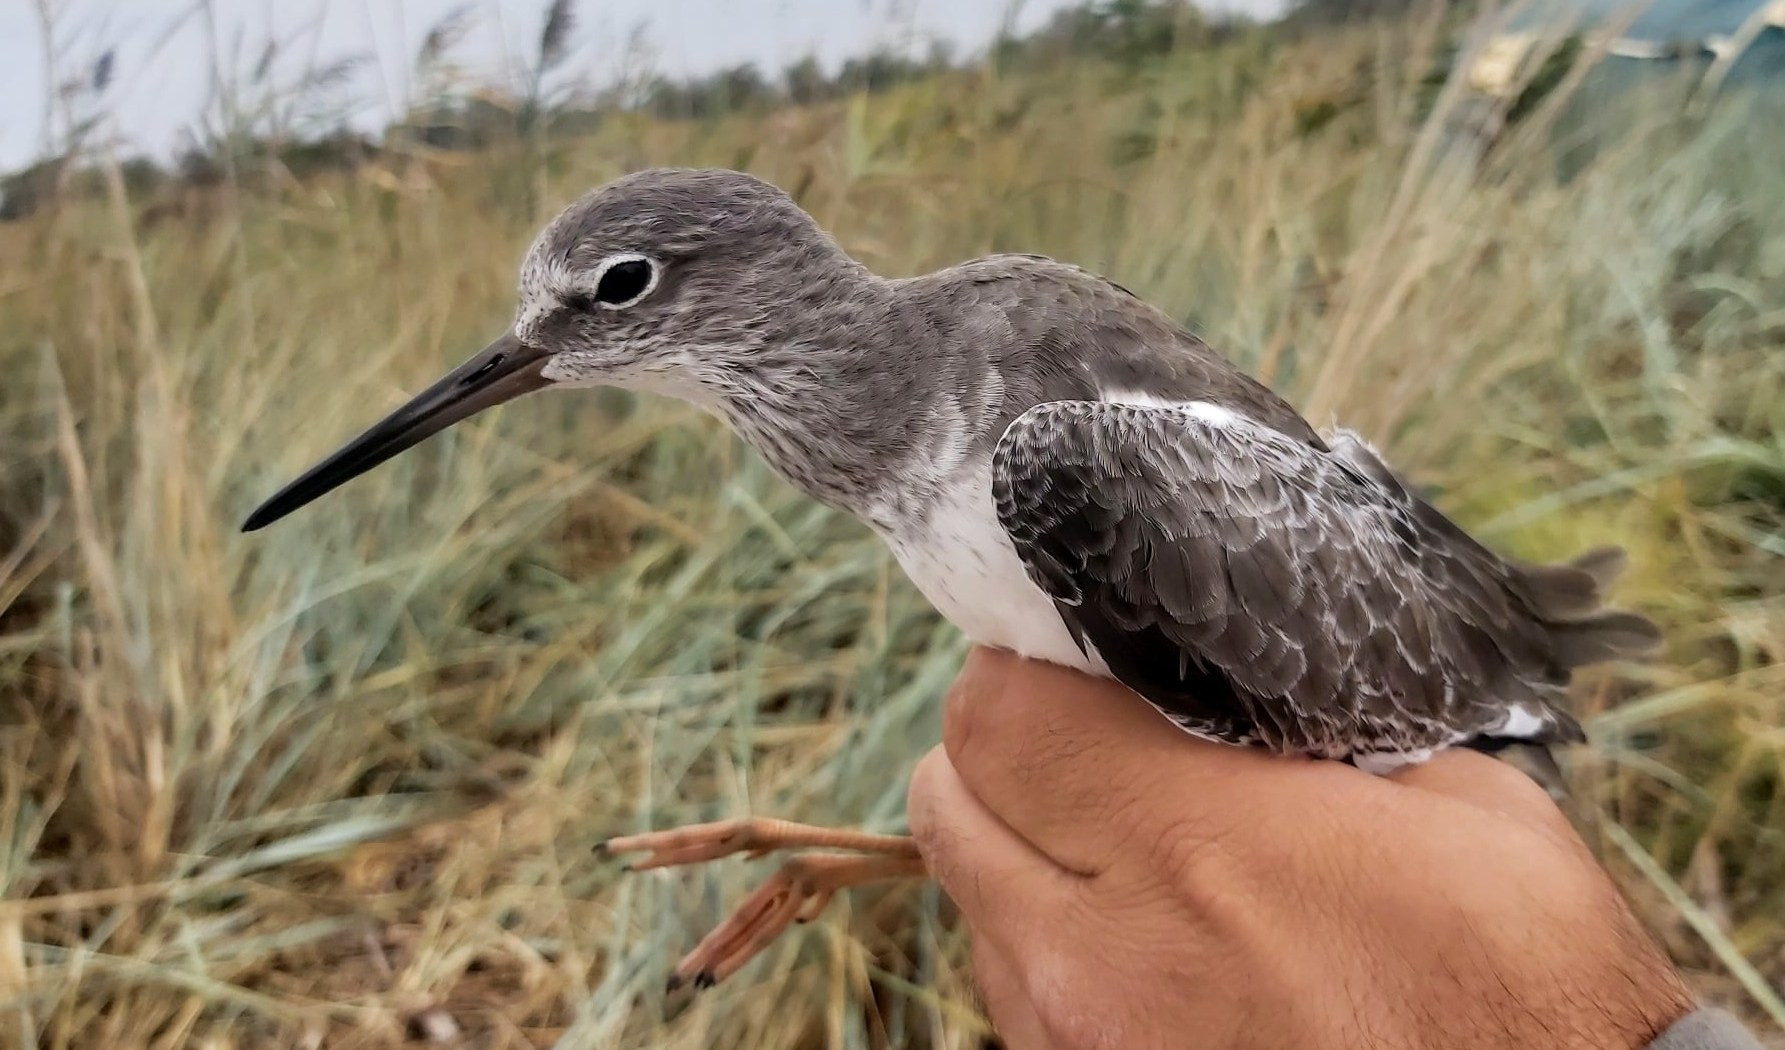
x: 796, y: 893
x: 751, y: 836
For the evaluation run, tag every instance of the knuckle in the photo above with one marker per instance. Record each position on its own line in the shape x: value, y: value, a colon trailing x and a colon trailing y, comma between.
x: 951, y: 856
x: 1499, y: 775
x: 1191, y: 850
x: 975, y: 714
x: 1526, y: 796
x: 991, y: 724
x: 923, y: 798
x: 1055, y: 754
x: 1516, y: 795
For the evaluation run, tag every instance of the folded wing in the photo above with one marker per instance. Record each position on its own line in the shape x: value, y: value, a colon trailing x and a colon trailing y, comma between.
x: 1261, y: 589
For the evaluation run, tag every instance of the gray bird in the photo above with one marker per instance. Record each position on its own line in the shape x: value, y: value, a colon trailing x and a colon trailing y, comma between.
x: 1061, y: 469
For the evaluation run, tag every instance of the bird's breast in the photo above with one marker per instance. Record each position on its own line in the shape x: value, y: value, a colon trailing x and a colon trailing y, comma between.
x: 962, y: 560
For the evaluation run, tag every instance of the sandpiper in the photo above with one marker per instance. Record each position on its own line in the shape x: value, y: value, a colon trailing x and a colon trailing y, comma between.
x: 1061, y: 469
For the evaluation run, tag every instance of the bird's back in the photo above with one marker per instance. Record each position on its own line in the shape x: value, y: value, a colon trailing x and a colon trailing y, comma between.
x: 1063, y: 333
x: 1183, y: 529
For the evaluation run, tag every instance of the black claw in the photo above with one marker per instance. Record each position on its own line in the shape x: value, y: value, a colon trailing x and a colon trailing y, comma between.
x: 625, y: 867
x: 705, y: 979
x: 602, y: 850
x: 675, y: 981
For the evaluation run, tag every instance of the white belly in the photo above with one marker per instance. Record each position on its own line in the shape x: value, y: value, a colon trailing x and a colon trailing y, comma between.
x: 962, y: 561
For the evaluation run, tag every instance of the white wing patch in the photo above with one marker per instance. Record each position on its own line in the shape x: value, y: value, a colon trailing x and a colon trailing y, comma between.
x: 1203, y: 411
x: 1520, y: 722
x: 1382, y: 763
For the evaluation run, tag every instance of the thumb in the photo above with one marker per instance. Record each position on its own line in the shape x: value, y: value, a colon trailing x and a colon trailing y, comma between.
x: 999, y: 881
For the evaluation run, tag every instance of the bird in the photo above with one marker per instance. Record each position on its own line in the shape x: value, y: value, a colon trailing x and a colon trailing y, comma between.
x: 1062, y: 470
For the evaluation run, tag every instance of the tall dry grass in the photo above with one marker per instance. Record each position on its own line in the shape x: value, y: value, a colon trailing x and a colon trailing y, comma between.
x: 338, y: 783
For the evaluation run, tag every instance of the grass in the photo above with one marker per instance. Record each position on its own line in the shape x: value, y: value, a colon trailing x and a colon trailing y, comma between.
x: 339, y: 782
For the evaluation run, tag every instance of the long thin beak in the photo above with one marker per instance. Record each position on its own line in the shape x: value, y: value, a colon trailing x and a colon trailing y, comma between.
x: 502, y: 371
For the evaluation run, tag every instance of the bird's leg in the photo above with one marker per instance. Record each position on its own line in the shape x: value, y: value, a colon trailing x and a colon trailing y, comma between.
x: 751, y: 836
x: 795, y: 893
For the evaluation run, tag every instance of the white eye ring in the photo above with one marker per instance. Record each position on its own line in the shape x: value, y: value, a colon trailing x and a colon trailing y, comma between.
x: 619, y: 259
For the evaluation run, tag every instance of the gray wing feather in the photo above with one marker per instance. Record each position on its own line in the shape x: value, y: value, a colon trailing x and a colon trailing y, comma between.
x: 1260, y: 588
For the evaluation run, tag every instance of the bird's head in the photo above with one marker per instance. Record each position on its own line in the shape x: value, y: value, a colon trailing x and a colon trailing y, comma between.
x: 666, y: 280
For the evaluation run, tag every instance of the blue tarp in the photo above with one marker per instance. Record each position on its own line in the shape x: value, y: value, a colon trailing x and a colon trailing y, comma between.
x: 1665, y: 21
x: 1686, y: 23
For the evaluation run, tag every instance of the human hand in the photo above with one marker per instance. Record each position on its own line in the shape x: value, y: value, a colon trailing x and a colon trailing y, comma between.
x: 1127, y: 885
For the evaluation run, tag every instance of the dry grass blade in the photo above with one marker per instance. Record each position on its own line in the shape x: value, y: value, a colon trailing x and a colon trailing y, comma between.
x: 554, y: 38
x: 1702, y: 923
x: 446, y: 34
x: 338, y: 783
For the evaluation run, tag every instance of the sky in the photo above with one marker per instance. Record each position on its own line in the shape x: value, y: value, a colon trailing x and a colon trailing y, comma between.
x: 163, y: 48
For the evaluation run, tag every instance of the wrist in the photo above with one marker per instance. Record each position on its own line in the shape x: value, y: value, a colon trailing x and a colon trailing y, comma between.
x: 1575, y: 993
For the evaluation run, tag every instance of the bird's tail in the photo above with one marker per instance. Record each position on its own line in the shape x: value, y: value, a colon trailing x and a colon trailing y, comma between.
x: 1569, y: 599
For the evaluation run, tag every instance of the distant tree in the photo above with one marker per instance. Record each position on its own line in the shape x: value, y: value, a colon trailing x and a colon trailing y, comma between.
x: 742, y: 87
x: 1132, y: 31
x: 1127, y: 32
x: 1315, y: 13
x: 878, y: 71
x: 805, y: 82
x: 25, y: 191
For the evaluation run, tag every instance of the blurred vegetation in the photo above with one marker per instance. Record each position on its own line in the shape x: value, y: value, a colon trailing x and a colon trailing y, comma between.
x: 289, y: 127
x: 338, y: 783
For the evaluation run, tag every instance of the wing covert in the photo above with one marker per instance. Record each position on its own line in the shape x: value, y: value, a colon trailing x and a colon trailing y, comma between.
x: 1256, y: 587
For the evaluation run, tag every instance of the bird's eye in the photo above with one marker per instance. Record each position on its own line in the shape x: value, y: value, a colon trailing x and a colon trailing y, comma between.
x: 621, y: 280
x: 624, y: 281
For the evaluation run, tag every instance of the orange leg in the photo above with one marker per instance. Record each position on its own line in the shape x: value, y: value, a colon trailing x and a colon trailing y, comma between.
x: 751, y: 836
x: 796, y: 893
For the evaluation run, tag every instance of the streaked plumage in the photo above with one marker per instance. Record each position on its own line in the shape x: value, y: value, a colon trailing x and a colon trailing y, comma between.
x: 1262, y: 589
x: 1065, y: 472
x: 1061, y: 469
